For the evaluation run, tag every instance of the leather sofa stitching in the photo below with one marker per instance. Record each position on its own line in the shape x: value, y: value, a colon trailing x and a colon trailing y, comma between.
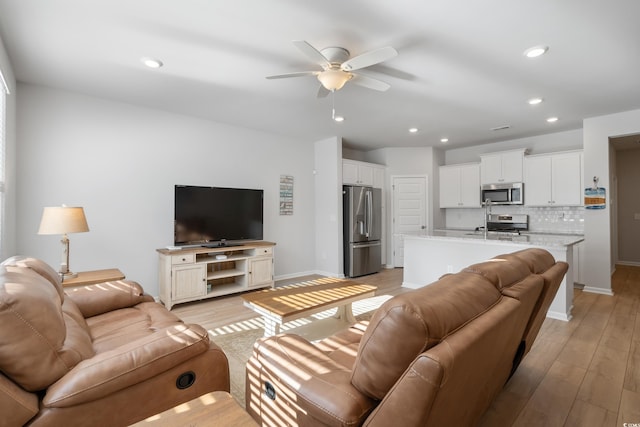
x: 44, y: 339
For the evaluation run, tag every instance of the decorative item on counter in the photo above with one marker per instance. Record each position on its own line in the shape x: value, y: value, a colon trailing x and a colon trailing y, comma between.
x: 595, y: 197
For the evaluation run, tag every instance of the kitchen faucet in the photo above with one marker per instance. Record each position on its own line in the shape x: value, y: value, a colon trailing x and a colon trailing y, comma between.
x: 487, y: 212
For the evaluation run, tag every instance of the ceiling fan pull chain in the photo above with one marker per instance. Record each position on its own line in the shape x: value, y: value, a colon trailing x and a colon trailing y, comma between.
x: 333, y: 104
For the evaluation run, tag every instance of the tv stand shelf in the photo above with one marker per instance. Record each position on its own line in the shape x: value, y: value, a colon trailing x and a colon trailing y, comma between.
x: 194, y: 273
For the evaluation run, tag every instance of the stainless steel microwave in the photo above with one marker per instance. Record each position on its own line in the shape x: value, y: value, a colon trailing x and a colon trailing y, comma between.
x: 504, y: 194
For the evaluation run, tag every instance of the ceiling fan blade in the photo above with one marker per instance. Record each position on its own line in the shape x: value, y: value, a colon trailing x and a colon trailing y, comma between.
x: 369, y: 58
x: 323, y: 92
x: 370, y: 83
x: 298, y: 74
x: 312, y: 53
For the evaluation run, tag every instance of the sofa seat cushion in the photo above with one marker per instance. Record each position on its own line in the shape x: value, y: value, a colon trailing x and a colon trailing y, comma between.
x: 41, y: 343
x: 127, y: 365
x: 116, y: 328
x: 323, y: 390
x: 343, y: 346
x: 415, y: 321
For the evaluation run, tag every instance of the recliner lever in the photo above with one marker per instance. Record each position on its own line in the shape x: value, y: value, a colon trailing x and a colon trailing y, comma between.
x: 269, y: 390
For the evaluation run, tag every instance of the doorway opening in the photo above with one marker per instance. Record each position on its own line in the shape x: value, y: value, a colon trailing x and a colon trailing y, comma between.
x: 625, y: 215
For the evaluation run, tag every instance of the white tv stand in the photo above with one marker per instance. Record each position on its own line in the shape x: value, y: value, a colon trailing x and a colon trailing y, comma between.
x: 191, y: 274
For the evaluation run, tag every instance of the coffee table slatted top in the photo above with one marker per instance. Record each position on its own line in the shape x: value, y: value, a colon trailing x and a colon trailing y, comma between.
x: 292, y: 300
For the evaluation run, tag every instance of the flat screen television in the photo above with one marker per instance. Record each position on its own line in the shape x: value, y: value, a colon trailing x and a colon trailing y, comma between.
x: 215, y: 216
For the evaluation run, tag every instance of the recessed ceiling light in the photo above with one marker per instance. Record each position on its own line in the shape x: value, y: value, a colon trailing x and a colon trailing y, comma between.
x: 535, y: 101
x: 413, y: 130
x: 552, y: 119
x: 444, y: 140
x: 151, y: 62
x: 338, y: 119
x: 535, y: 51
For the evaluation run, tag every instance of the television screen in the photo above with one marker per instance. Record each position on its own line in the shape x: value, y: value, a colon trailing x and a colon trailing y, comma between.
x: 213, y: 215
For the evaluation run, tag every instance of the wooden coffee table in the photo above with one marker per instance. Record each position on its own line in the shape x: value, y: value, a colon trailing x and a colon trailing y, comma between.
x: 281, y: 305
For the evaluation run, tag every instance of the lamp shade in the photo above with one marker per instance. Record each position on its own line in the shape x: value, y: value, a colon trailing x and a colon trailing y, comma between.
x: 63, y: 220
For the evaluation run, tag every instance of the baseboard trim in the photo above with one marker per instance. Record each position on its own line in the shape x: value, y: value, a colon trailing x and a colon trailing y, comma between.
x: 559, y: 316
x: 294, y: 275
x: 629, y: 263
x: 600, y: 291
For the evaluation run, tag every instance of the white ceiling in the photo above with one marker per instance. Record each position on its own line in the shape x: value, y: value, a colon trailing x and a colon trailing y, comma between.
x: 460, y: 70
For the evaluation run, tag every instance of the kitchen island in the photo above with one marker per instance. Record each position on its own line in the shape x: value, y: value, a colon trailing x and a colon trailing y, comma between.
x: 429, y: 255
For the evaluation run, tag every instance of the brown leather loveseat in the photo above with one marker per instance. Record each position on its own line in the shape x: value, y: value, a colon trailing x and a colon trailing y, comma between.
x: 434, y: 356
x: 104, y: 354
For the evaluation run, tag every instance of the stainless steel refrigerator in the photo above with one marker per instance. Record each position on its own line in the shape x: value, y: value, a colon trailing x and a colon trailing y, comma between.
x: 362, y: 212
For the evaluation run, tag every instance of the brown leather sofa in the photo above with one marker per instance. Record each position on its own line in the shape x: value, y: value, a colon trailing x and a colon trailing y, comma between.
x: 435, y: 356
x: 104, y: 354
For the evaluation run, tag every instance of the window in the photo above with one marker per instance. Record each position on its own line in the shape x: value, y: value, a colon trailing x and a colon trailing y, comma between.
x: 4, y: 91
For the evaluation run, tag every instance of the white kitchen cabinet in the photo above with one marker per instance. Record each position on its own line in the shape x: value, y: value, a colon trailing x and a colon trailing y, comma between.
x: 553, y: 179
x: 378, y: 177
x: 460, y: 186
x: 505, y: 166
x: 362, y: 173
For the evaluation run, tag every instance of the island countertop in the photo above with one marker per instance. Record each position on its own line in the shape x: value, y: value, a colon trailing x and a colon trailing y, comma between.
x: 543, y: 240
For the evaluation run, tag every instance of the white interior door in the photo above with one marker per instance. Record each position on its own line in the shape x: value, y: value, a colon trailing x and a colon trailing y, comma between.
x: 409, y: 211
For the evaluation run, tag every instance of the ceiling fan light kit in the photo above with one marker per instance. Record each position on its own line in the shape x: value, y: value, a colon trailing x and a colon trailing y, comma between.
x: 333, y: 79
x: 337, y: 67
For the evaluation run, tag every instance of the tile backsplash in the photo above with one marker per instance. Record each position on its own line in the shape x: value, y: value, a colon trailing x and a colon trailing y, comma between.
x: 568, y: 220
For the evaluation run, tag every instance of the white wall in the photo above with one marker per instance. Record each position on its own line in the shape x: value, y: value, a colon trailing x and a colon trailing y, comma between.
x: 549, y: 143
x: 120, y: 162
x: 598, y: 223
x: 8, y: 246
x: 408, y: 161
x: 328, y: 207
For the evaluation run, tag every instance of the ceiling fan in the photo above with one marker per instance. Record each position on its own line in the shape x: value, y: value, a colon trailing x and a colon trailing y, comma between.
x: 337, y: 68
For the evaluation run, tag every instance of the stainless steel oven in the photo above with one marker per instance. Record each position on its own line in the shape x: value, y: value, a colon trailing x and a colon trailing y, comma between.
x: 504, y: 194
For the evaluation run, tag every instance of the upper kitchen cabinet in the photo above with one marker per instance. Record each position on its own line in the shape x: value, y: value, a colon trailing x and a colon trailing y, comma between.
x: 460, y: 186
x: 362, y: 173
x: 504, y: 166
x: 553, y: 179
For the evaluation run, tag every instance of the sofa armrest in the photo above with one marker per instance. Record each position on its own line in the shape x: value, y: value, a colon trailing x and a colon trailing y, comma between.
x: 130, y: 364
x: 17, y: 406
x: 409, y: 401
x: 305, y: 380
x: 108, y: 296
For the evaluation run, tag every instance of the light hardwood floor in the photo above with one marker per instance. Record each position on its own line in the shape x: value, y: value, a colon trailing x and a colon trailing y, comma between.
x: 585, y: 372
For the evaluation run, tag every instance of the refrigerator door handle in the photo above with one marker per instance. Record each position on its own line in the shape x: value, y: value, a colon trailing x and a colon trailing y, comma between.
x: 365, y: 245
x: 368, y: 213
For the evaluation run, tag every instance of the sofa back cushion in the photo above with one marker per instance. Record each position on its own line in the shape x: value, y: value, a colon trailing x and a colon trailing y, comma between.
x: 40, y: 267
x: 40, y: 342
x: 410, y: 323
x: 500, y: 271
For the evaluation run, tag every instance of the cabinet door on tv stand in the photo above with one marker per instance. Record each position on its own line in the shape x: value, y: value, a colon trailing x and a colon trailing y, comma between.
x: 260, y: 272
x: 188, y: 282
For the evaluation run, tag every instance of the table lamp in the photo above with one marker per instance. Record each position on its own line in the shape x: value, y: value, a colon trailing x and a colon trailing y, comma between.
x: 63, y: 220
